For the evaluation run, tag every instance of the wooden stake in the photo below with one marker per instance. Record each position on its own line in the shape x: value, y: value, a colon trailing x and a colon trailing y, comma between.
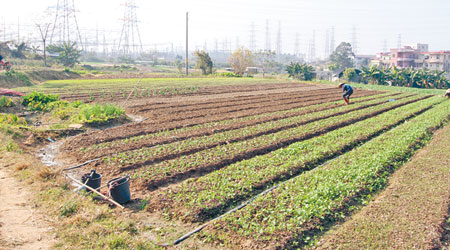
x: 95, y: 191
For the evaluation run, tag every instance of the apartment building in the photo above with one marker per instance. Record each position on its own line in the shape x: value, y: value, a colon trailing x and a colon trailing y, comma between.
x: 416, y: 56
x: 439, y: 60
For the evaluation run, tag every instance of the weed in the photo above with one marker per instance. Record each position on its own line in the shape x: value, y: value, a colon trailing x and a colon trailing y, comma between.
x: 11, y: 146
x: 69, y: 208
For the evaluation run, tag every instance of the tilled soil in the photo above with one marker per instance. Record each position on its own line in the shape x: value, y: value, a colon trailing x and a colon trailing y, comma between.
x: 180, y: 119
x: 191, y: 111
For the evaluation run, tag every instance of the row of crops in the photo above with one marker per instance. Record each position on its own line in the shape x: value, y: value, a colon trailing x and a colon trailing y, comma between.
x: 218, y: 164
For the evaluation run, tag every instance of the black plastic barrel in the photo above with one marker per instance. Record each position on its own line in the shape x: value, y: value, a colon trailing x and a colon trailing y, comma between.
x: 119, y: 189
x: 94, y: 180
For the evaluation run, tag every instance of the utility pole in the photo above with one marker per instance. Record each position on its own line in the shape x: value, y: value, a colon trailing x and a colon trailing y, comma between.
x: 187, y: 44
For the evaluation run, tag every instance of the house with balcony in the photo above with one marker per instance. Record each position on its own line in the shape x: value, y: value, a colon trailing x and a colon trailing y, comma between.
x: 414, y: 57
x: 439, y: 60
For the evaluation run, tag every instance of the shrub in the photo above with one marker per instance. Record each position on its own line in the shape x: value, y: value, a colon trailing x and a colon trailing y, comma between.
x: 38, y: 101
x: 12, y: 119
x: 227, y: 74
x: 6, y: 102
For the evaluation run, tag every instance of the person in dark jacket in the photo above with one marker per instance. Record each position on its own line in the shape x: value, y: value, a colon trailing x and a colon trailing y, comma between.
x: 348, y: 91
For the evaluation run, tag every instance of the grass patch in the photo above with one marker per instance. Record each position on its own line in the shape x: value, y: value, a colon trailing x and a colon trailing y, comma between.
x: 80, y: 221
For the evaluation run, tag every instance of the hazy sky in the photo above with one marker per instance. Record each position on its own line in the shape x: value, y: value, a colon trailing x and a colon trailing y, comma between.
x: 163, y: 22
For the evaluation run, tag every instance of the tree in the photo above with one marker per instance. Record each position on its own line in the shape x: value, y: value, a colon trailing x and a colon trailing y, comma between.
x: 204, y: 62
x: 342, y: 57
x: 350, y: 74
x: 240, y: 60
x: 43, y: 30
x: 301, y: 71
x: 68, y: 53
x: 266, y: 60
x: 19, y: 51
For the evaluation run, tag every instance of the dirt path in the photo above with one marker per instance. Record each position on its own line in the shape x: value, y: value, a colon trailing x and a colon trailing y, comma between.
x: 410, y: 213
x: 21, y: 226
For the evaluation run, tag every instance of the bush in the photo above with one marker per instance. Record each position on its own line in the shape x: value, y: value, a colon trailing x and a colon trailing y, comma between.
x: 301, y: 71
x: 6, y: 102
x: 227, y: 74
x: 12, y: 119
x: 38, y: 101
x: 350, y: 75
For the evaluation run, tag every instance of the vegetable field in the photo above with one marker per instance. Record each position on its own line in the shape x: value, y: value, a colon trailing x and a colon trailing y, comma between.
x: 196, y: 158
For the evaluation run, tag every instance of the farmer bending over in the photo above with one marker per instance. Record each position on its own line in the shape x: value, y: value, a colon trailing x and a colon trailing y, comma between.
x: 348, y: 91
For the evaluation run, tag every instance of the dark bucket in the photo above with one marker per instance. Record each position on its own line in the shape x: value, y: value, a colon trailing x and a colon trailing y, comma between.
x: 119, y: 189
x: 94, y: 180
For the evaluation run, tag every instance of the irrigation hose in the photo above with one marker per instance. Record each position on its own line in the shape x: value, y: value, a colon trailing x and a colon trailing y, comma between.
x: 80, y: 165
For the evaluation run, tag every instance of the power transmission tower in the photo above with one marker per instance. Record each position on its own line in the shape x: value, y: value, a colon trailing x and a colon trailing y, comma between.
x: 237, y: 43
x: 252, y: 43
x: 354, y: 41
x: 399, y: 41
x: 18, y: 30
x: 332, y: 45
x: 385, y: 46
x: 224, y: 45
x: 313, y: 47
x: 297, y: 44
x: 327, y: 44
x: 279, y: 38
x: 267, y: 36
x: 130, y: 39
x: 65, y: 27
